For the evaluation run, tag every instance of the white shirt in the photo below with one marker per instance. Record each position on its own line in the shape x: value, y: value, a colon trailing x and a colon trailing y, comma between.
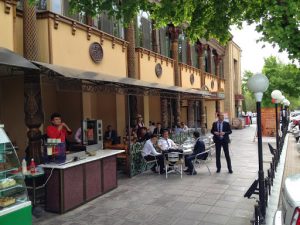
x: 149, y: 149
x: 166, y: 144
x: 151, y: 128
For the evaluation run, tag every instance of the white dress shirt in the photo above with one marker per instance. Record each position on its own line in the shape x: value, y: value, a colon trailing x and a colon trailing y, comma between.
x: 149, y: 149
x: 166, y: 144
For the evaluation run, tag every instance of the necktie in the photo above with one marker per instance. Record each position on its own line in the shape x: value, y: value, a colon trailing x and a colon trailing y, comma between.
x: 168, y: 143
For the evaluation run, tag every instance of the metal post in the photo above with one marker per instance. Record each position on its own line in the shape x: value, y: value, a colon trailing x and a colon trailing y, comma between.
x: 261, y: 178
x: 277, y: 135
x: 129, y: 133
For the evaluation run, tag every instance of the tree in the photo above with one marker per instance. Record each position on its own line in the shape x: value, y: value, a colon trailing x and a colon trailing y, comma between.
x: 281, y: 77
x: 277, y: 20
x: 249, y: 101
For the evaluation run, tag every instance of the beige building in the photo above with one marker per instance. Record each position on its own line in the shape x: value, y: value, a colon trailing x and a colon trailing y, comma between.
x: 233, y: 84
x: 97, y: 69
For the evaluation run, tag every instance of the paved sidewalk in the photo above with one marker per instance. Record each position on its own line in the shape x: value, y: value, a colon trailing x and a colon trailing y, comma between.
x: 193, y: 200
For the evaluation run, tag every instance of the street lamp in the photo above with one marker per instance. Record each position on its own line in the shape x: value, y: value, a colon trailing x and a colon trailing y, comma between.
x: 286, y: 104
x: 259, y: 84
x: 278, y: 97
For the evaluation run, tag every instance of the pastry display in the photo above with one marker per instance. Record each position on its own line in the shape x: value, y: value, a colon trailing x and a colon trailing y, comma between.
x: 8, y: 182
x: 6, y: 201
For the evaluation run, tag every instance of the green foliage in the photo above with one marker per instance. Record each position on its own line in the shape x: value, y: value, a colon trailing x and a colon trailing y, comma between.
x: 249, y: 103
x: 277, y: 20
x: 281, y: 77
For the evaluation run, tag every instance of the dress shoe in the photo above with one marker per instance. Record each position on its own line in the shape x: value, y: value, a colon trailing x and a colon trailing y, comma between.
x: 153, y: 169
x: 186, y: 171
x: 218, y: 170
x: 230, y: 171
x: 162, y: 172
x: 192, y: 173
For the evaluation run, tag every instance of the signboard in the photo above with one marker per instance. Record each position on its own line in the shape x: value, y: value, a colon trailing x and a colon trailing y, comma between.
x: 268, y: 122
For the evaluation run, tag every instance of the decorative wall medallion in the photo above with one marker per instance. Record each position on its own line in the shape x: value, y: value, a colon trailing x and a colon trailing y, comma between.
x: 96, y: 52
x: 212, y: 84
x: 192, y: 78
x: 158, y: 70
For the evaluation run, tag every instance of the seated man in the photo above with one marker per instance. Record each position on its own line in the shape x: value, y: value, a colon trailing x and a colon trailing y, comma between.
x: 111, y: 135
x: 149, y: 153
x: 165, y: 143
x: 158, y: 130
x: 198, y: 148
x: 144, y: 135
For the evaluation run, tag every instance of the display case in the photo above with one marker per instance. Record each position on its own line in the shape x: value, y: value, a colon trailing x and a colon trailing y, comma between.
x: 92, y: 134
x: 14, y: 204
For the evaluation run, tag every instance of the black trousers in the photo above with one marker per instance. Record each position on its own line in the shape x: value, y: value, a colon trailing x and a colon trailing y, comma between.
x: 223, y: 144
x: 160, y: 160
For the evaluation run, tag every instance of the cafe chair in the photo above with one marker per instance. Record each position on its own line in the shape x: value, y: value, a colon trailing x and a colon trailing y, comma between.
x: 173, y: 163
x: 202, y: 159
x: 147, y: 162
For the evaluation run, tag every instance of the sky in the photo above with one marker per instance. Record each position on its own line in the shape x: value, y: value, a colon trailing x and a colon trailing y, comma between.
x: 252, y: 53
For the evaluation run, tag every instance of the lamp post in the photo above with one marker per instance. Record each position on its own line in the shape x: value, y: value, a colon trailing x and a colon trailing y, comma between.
x: 286, y: 104
x: 277, y: 96
x: 259, y: 84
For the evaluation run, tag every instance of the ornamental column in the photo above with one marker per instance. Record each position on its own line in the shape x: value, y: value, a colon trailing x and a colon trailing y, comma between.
x: 164, y: 112
x: 191, y: 113
x: 154, y: 38
x: 209, y: 59
x: 130, y: 38
x: 202, y: 116
x: 189, y: 53
x: 200, y: 51
x: 34, y: 115
x: 174, y: 34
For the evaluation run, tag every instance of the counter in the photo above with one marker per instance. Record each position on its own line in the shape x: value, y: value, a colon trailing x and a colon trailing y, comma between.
x: 73, y: 183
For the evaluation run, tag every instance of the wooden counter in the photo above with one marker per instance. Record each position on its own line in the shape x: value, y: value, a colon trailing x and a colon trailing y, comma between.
x: 73, y: 183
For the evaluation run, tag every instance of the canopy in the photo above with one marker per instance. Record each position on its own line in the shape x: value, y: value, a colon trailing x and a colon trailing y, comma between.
x: 9, y: 58
x: 104, y: 79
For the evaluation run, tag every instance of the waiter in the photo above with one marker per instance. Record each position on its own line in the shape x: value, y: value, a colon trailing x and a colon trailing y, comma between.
x: 221, y: 130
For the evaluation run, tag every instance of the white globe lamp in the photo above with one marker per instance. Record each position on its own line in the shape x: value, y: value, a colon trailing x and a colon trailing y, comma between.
x: 258, y: 84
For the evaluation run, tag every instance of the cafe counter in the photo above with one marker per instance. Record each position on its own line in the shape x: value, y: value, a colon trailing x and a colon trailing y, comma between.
x: 81, y: 179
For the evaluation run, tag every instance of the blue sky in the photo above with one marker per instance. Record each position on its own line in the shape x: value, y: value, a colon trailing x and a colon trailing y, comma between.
x: 252, y: 53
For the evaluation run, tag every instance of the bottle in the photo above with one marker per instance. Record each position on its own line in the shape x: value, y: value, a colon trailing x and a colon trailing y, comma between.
x: 24, y: 166
x: 32, y: 166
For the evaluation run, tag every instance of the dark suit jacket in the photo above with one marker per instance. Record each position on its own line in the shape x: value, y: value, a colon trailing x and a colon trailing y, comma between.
x: 113, y: 137
x: 198, y: 148
x: 160, y: 132
x: 226, y: 129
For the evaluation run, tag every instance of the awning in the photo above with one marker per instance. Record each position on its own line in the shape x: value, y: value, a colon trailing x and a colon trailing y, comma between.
x: 9, y: 58
x: 104, y: 78
x: 239, y: 97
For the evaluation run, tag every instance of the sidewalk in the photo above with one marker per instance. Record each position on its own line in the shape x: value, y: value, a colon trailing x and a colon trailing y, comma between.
x: 193, y: 200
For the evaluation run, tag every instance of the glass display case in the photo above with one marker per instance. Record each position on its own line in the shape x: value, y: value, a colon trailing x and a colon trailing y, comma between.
x: 13, y: 193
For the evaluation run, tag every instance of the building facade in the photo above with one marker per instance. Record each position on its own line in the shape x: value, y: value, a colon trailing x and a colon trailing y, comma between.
x: 95, y: 68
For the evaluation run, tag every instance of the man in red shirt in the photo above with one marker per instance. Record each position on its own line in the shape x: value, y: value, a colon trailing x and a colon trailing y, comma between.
x: 58, y: 129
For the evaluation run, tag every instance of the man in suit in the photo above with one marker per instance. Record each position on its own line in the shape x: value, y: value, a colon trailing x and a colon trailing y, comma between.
x: 158, y: 130
x: 221, y: 130
x: 198, y: 148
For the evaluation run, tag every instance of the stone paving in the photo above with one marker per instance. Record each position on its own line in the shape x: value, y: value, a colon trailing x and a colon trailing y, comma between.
x: 193, y: 200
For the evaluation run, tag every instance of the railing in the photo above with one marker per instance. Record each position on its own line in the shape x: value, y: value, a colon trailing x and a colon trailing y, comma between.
x: 258, y: 218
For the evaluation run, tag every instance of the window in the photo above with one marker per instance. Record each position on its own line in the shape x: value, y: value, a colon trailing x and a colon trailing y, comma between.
x: 143, y: 31
x: 182, y: 49
x: 194, y: 56
x: 164, y: 42
x: 56, y: 6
